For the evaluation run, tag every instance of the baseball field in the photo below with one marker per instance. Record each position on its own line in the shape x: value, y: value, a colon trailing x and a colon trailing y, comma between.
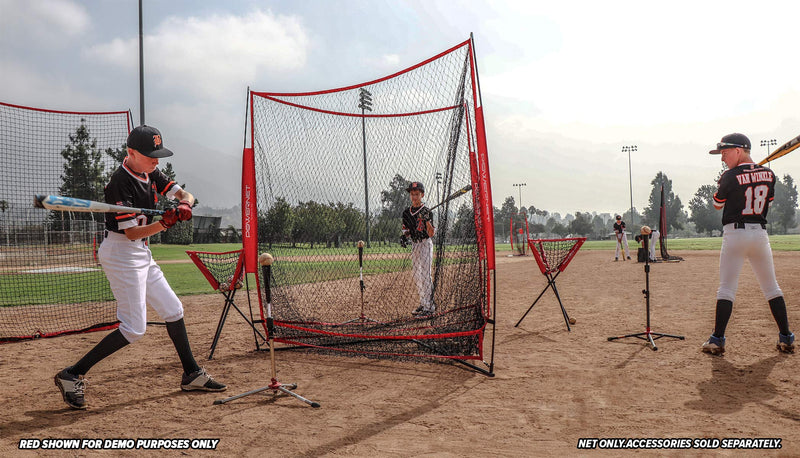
x: 551, y: 388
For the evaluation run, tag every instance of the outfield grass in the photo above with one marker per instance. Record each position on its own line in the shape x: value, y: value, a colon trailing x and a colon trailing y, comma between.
x: 778, y: 243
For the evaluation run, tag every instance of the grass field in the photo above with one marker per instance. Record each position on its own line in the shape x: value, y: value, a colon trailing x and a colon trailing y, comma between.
x: 778, y: 242
x: 186, y: 279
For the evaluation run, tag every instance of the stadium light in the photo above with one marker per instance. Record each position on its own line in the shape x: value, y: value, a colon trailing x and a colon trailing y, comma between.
x: 365, y: 103
x: 629, y: 149
x: 520, y: 185
x: 768, y: 143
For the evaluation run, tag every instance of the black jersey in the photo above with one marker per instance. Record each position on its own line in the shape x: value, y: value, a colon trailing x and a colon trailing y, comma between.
x: 619, y: 227
x: 132, y: 189
x: 414, y: 219
x: 746, y: 191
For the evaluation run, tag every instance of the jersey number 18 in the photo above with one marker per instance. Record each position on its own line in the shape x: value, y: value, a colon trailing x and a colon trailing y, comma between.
x: 755, y: 199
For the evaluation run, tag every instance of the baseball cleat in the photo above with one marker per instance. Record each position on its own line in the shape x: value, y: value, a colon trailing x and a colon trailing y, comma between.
x: 616, y: 259
x: 202, y: 381
x: 72, y: 388
x: 629, y: 258
x: 714, y: 345
x: 419, y: 310
x: 786, y: 343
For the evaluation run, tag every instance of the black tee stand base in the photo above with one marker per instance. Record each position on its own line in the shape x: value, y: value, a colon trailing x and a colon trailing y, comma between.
x: 647, y: 335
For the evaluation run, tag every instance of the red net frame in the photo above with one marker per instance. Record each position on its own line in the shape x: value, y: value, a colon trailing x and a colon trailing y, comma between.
x: 548, y: 263
x: 477, y: 175
x: 206, y: 261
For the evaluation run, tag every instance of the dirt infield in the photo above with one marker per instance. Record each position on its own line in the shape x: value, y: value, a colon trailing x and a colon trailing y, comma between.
x: 552, y: 387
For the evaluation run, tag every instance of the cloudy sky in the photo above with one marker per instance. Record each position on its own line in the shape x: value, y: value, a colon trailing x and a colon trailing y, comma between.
x: 565, y: 84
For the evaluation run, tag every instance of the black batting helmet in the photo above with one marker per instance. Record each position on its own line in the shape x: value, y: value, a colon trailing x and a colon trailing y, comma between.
x: 415, y: 186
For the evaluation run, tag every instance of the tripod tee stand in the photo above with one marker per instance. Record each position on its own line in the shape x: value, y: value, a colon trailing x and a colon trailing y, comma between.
x: 647, y: 335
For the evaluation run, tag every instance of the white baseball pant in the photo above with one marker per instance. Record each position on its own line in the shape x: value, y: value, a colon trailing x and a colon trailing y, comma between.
x: 652, y: 243
x: 136, y: 280
x: 624, y: 241
x: 752, y: 243
x: 421, y: 260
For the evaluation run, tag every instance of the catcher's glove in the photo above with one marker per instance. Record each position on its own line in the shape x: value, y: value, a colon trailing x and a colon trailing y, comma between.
x: 404, y: 241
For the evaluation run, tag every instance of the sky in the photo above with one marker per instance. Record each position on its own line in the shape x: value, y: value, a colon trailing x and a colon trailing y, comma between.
x: 565, y: 85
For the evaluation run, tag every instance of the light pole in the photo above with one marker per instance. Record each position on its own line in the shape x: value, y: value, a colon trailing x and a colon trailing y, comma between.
x: 768, y: 143
x: 628, y: 149
x: 365, y: 103
x: 520, y: 185
x: 438, y: 182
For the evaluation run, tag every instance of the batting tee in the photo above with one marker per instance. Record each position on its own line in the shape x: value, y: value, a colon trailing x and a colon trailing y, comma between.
x: 662, y: 229
x: 329, y: 168
x: 50, y: 280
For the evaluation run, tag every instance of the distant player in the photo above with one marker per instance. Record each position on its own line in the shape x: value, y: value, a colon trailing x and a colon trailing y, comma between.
x: 418, y: 226
x: 622, y: 238
x: 135, y: 279
x: 651, y: 242
x: 744, y: 193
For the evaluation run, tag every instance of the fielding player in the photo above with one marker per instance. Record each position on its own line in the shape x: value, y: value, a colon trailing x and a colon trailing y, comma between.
x: 745, y: 192
x: 619, y: 230
x: 134, y: 277
x: 418, y: 225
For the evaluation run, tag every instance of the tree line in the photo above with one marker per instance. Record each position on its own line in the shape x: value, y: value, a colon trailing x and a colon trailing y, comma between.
x: 701, y: 218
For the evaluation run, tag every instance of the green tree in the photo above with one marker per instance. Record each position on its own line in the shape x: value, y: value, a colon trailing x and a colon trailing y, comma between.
x: 673, y: 203
x: 275, y: 225
x: 582, y: 224
x: 560, y: 229
x: 704, y: 216
x: 783, y: 208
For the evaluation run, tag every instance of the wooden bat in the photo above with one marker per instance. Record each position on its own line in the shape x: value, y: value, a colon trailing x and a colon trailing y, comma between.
x: 782, y: 150
x: 71, y: 204
x: 452, y: 196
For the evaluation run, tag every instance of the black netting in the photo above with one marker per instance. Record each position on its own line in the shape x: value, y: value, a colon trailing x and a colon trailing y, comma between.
x: 50, y: 280
x: 555, y: 254
x: 222, y: 270
x: 311, y: 152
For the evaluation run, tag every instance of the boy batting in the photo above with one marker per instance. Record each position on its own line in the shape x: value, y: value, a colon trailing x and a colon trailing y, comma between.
x: 744, y: 194
x: 135, y: 279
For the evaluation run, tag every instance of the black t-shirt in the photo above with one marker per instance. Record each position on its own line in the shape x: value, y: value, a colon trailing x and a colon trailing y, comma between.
x: 132, y: 189
x: 413, y: 221
x: 619, y: 227
x: 746, y: 191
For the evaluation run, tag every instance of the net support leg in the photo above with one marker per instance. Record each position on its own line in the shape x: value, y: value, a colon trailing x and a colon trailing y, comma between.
x: 223, y: 317
x: 551, y: 283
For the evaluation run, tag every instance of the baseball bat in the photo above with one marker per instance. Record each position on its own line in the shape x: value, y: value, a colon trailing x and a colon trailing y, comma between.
x: 71, y: 204
x: 452, y: 196
x: 783, y: 150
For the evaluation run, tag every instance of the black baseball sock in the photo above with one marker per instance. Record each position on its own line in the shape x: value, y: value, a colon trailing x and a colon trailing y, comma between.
x: 105, y: 347
x: 778, y: 308
x: 177, y: 332
x: 724, y: 308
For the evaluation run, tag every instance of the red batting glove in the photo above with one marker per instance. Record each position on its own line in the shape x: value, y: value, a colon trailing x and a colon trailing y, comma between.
x: 169, y: 218
x: 184, y: 211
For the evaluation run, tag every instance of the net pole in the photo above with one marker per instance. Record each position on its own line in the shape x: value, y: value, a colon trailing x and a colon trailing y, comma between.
x: 141, y: 67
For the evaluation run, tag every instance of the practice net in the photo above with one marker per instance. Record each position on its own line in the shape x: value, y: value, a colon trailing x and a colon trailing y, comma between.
x: 662, y: 229
x: 519, y: 234
x: 50, y: 280
x: 554, y: 255
x: 329, y: 168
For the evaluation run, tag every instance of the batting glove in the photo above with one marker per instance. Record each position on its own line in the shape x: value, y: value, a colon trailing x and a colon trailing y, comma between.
x: 425, y: 214
x: 184, y: 211
x: 169, y: 218
x: 404, y: 241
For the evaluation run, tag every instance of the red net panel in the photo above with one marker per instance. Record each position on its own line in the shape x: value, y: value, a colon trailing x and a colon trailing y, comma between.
x: 555, y: 254
x: 330, y: 168
x: 50, y: 280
